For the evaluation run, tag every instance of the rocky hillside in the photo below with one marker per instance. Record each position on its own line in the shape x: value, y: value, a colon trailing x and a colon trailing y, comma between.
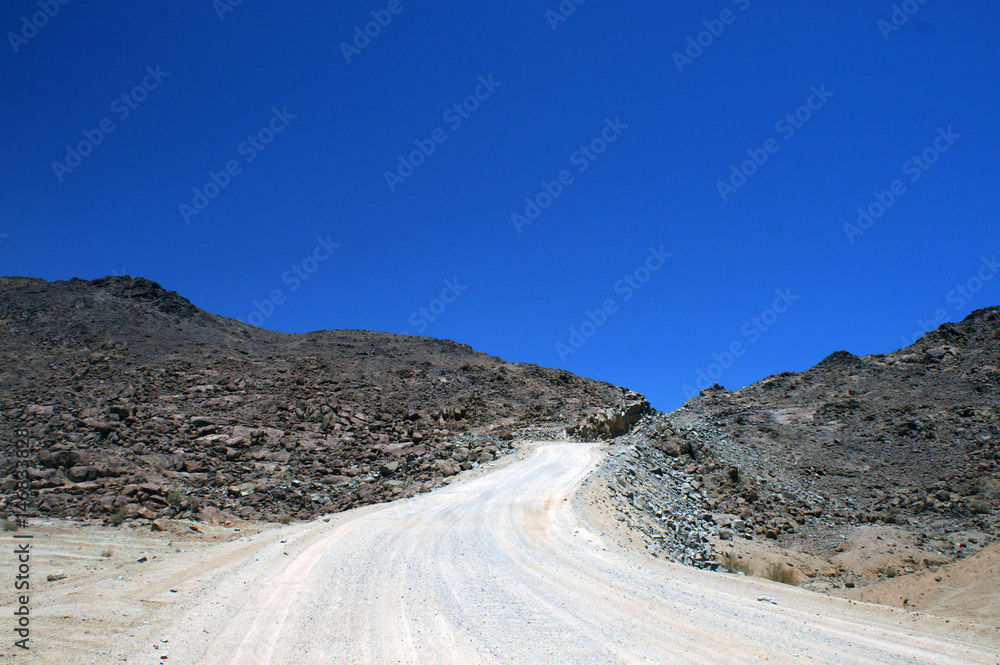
x: 885, y: 436
x: 908, y: 441
x: 144, y: 406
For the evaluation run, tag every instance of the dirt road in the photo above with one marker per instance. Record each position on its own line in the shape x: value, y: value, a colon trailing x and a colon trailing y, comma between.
x: 496, y: 569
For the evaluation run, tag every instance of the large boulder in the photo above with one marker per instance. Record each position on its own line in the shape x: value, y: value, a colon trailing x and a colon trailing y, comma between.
x: 609, y: 423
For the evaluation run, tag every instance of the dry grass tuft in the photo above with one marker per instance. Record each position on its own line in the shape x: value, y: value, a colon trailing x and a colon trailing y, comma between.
x: 779, y: 572
x: 735, y: 564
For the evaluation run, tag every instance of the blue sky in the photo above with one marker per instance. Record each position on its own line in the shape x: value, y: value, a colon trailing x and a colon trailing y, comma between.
x: 644, y: 194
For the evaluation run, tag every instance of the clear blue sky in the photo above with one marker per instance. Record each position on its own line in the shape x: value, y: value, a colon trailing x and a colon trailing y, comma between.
x: 659, y: 133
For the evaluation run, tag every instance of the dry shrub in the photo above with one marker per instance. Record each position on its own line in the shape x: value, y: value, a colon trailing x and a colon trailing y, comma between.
x: 779, y: 572
x: 734, y: 564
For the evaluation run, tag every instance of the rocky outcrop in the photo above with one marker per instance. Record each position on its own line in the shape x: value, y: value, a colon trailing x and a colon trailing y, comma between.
x: 612, y: 422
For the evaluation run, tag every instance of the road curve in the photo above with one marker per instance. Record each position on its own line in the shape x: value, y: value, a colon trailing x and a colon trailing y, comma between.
x: 500, y: 569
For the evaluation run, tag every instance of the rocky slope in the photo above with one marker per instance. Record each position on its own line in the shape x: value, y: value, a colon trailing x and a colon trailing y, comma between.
x: 142, y: 406
x: 908, y: 441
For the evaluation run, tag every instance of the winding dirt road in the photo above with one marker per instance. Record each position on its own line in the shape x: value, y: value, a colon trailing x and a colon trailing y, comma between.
x: 500, y: 569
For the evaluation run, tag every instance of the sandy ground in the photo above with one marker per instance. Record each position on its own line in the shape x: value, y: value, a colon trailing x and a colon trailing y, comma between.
x: 494, y: 568
x: 968, y: 590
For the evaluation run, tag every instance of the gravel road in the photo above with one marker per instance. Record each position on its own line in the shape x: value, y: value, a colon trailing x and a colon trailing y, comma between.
x: 499, y: 569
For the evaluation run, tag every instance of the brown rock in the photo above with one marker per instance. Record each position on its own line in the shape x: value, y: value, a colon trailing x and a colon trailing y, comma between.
x: 98, y: 425
x: 214, y: 515
x: 79, y: 474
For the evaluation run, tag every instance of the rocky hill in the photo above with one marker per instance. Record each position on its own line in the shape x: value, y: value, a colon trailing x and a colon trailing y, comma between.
x: 143, y: 406
x: 904, y: 445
